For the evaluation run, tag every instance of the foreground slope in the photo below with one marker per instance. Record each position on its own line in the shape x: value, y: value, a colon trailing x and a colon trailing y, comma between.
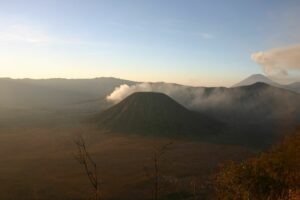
x: 154, y: 113
x: 271, y: 175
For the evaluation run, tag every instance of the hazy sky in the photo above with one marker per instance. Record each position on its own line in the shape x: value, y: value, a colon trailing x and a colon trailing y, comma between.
x: 195, y: 42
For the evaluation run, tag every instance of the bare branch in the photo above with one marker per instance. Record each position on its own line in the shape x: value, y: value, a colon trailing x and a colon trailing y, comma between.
x: 83, y: 157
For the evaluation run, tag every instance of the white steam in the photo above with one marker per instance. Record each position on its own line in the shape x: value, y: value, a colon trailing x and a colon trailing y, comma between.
x: 124, y: 90
x: 191, y: 97
x: 279, y: 61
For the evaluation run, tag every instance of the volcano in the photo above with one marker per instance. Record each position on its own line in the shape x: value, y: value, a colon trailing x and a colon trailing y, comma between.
x: 150, y: 112
x: 256, y: 78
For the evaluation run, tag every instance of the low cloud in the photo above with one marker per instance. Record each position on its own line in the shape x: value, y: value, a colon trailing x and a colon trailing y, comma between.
x: 278, y: 61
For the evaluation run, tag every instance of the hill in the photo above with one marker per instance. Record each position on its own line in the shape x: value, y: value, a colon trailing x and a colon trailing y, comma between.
x: 150, y: 112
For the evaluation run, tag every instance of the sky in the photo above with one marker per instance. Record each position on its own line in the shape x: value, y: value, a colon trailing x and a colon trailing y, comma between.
x: 192, y: 42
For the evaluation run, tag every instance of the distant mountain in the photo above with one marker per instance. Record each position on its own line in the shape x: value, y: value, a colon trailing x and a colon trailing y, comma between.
x: 57, y: 93
x: 254, y: 103
x: 295, y: 87
x: 256, y: 114
x: 250, y: 115
x: 259, y: 102
x: 255, y: 78
x: 155, y: 113
x: 253, y: 111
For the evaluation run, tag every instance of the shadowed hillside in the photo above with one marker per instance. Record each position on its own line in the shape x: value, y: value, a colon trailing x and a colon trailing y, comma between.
x: 149, y: 112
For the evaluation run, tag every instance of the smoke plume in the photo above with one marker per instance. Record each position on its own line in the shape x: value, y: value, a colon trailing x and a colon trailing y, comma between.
x: 279, y: 61
x: 124, y: 90
x: 190, y: 97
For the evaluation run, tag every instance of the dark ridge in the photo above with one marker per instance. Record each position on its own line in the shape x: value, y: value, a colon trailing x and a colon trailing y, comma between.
x: 150, y: 112
x: 256, y: 85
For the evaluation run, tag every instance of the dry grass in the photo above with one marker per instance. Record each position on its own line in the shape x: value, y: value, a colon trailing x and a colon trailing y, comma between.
x: 38, y: 163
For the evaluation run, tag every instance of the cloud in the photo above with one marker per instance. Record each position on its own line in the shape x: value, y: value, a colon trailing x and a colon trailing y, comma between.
x: 123, y: 91
x: 278, y: 61
x: 206, y: 36
x: 20, y: 33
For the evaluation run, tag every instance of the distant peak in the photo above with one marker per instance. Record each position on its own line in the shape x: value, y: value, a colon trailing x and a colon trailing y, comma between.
x: 257, y: 76
x: 254, y: 79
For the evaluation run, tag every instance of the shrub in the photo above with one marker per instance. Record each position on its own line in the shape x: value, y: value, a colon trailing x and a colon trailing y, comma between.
x: 271, y: 175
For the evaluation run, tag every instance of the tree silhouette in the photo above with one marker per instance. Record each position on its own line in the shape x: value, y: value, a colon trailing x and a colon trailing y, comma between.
x: 90, y: 167
x: 157, y: 154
